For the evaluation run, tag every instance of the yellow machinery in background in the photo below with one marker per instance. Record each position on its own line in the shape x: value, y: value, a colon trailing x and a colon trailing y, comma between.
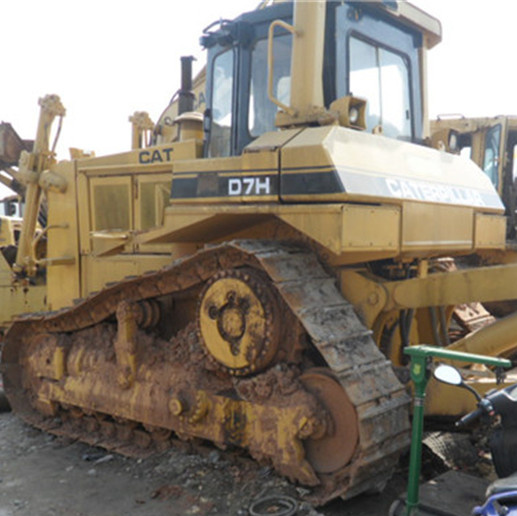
x: 14, y: 297
x: 490, y: 143
x: 253, y: 279
x: 11, y: 206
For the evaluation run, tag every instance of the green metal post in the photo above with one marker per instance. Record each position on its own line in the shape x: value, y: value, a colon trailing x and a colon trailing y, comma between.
x: 421, y: 359
x: 420, y: 376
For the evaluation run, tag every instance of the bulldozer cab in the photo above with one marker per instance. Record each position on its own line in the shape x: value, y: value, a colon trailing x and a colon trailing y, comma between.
x: 491, y: 144
x: 357, y: 60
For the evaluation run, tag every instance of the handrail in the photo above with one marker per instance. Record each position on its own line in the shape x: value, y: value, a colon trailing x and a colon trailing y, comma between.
x: 270, y: 63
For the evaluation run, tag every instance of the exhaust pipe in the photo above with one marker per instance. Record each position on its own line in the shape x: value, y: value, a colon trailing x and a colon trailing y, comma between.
x: 185, y: 94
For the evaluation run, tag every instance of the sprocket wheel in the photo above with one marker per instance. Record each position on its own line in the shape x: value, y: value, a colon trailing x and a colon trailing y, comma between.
x: 237, y: 322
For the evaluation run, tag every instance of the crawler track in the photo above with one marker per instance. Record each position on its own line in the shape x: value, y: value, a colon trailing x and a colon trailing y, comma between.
x: 311, y: 294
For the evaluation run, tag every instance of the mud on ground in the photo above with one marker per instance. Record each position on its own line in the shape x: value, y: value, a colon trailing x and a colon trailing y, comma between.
x: 41, y: 475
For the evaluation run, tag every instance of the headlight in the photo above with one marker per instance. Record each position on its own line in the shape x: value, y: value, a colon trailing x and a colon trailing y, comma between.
x: 353, y: 115
x: 453, y: 141
x: 349, y: 112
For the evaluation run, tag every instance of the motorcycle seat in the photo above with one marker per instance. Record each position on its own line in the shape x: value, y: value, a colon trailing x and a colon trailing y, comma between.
x: 502, y: 484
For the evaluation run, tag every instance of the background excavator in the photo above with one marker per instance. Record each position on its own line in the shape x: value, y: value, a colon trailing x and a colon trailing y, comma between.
x: 253, y: 278
x: 11, y: 205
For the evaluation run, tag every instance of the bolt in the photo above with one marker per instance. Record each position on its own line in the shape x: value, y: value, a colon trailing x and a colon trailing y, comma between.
x: 311, y: 427
x: 175, y: 406
x: 373, y: 298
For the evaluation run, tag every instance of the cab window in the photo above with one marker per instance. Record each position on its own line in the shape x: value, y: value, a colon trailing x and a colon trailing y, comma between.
x: 262, y: 112
x: 381, y: 76
x: 222, y: 95
x: 491, y: 155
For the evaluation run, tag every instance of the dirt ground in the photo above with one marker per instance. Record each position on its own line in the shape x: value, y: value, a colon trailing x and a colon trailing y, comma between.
x: 41, y: 475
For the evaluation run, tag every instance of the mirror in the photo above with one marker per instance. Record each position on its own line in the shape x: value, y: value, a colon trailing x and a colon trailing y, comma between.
x: 448, y: 374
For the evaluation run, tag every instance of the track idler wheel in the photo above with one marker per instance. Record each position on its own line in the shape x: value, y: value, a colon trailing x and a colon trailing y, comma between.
x: 335, y: 449
x: 238, y: 321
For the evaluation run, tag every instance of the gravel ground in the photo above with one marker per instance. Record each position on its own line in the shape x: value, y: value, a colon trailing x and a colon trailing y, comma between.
x: 41, y: 475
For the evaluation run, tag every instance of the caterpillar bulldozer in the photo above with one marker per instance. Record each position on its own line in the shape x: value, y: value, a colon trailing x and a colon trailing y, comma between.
x: 253, y: 277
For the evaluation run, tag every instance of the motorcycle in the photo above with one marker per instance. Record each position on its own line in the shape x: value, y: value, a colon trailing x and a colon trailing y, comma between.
x: 501, y: 495
x: 453, y: 493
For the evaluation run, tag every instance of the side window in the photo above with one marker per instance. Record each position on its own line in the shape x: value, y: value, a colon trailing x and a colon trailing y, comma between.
x: 465, y: 146
x: 466, y: 152
x: 262, y: 112
x: 222, y: 94
x: 111, y: 204
x: 382, y: 78
x: 154, y: 197
x: 491, y: 156
x: 513, y: 157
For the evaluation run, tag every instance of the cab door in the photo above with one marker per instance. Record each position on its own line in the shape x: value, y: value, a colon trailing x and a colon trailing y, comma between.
x: 379, y: 60
x: 492, y: 158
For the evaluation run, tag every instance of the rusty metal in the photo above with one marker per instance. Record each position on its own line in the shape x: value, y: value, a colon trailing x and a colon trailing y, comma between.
x: 11, y: 145
x: 176, y: 387
x: 470, y: 316
x: 335, y: 448
x: 473, y: 316
x: 125, y: 344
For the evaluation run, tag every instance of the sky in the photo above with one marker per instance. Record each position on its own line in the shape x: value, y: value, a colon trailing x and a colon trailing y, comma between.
x: 107, y: 59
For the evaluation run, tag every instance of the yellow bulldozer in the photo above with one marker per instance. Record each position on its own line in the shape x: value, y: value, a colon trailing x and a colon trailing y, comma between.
x: 490, y: 142
x: 253, y: 277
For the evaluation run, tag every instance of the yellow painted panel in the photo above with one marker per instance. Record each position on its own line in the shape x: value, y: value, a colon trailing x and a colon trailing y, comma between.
x: 490, y: 231
x: 111, y: 211
x: 154, y: 159
x: 447, y: 400
x: 18, y: 300
x: 370, y: 228
x: 319, y: 222
x: 262, y: 159
x: 363, y: 167
x: 427, y: 228
x: 272, y: 140
x: 153, y: 194
x: 111, y: 204
x: 349, y: 232
x: 8, y: 226
x: 6, y: 273
x: 97, y: 272
x: 63, y: 274
x: 196, y: 166
x: 83, y: 206
x: 250, y: 178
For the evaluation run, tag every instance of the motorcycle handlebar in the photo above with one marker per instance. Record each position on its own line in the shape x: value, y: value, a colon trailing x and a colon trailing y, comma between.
x: 469, y: 418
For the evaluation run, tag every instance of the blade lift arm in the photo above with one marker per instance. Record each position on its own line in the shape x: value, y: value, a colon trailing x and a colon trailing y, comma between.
x: 31, y: 167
